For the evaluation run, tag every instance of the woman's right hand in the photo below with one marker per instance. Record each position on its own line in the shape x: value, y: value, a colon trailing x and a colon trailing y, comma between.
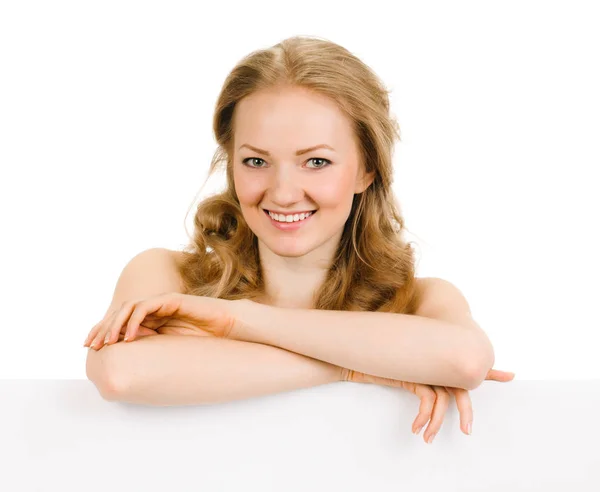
x: 434, y: 399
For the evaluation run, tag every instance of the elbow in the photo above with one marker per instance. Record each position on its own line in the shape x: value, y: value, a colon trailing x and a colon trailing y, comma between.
x: 115, y: 386
x: 99, y: 371
x: 477, y: 364
x: 110, y: 388
x: 106, y: 389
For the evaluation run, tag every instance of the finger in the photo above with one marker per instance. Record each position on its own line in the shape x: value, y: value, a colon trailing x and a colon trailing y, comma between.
x: 427, y: 396
x: 114, y: 327
x: 95, y: 329
x: 494, y: 374
x: 118, y: 339
x: 101, y: 330
x: 125, y: 314
x: 465, y: 407
x: 439, y: 410
x: 142, y: 331
x: 108, y: 336
x: 501, y: 376
x: 140, y: 311
x: 91, y: 334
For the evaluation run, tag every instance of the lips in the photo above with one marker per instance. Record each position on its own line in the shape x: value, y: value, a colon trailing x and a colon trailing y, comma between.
x: 312, y: 212
x: 290, y: 226
x: 305, y: 212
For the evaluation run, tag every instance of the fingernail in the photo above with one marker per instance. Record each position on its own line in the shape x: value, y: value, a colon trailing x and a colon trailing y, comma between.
x: 429, y: 441
x: 418, y: 430
x: 107, y: 338
x: 469, y: 427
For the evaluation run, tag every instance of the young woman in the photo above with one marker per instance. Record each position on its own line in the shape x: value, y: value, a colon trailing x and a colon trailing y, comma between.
x: 298, y: 273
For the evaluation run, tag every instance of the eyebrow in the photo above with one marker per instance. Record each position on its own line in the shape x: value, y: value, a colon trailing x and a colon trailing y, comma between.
x: 298, y: 152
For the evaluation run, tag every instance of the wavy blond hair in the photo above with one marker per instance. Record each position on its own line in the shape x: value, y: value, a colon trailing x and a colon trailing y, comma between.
x: 374, y: 268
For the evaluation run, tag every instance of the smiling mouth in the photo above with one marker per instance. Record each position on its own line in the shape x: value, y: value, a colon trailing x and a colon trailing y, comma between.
x: 303, y: 212
x: 312, y: 212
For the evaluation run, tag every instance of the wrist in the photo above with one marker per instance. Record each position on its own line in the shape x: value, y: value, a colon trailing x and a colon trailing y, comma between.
x: 245, y: 315
x: 353, y: 376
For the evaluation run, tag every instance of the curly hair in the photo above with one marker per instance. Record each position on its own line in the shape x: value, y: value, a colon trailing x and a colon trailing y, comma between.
x: 373, y: 268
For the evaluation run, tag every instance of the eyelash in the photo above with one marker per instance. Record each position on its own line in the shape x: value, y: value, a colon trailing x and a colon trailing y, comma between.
x: 312, y: 158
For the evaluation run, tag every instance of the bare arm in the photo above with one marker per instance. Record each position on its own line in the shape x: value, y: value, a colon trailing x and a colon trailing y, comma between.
x: 169, y: 370
x: 387, y: 345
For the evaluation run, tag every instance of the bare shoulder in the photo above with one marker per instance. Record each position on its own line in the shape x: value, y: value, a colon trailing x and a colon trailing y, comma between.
x: 152, y: 272
x: 437, y: 295
x: 173, y: 268
x: 176, y: 256
x: 426, y: 284
x: 423, y: 285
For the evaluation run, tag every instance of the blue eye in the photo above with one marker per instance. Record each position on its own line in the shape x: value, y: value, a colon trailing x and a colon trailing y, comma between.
x: 251, y: 158
x: 326, y: 161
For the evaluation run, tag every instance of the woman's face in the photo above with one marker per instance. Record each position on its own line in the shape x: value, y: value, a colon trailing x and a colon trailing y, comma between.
x: 272, y: 176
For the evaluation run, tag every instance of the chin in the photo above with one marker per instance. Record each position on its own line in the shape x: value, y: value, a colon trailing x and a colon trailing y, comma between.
x: 292, y: 249
x: 289, y: 252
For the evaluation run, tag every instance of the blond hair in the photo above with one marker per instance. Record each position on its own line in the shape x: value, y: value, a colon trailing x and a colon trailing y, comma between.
x: 373, y: 268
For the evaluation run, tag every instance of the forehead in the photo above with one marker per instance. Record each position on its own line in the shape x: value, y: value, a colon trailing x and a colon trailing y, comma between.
x: 296, y: 117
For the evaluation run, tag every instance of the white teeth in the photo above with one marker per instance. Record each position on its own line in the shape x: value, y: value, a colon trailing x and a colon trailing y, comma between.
x: 289, y: 218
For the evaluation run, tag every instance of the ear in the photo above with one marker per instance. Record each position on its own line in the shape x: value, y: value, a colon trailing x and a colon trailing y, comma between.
x: 364, y: 181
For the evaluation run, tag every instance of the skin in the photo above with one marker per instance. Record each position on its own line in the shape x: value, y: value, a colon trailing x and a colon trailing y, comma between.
x: 295, y: 263
x: 434, y: 399
x: 281, y: 122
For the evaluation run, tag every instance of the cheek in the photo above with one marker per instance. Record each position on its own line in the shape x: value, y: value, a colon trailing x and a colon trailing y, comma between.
x: 336, y: 192
x: 248, y: 190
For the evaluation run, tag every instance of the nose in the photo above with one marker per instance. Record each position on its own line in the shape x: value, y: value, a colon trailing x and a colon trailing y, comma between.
x: 286, y: 187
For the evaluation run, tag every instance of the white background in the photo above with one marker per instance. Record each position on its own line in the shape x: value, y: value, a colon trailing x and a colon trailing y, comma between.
x: 105, y: 138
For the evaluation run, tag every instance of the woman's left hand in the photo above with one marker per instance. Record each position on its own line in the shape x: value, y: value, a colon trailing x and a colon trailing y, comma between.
x: 215, y: 316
